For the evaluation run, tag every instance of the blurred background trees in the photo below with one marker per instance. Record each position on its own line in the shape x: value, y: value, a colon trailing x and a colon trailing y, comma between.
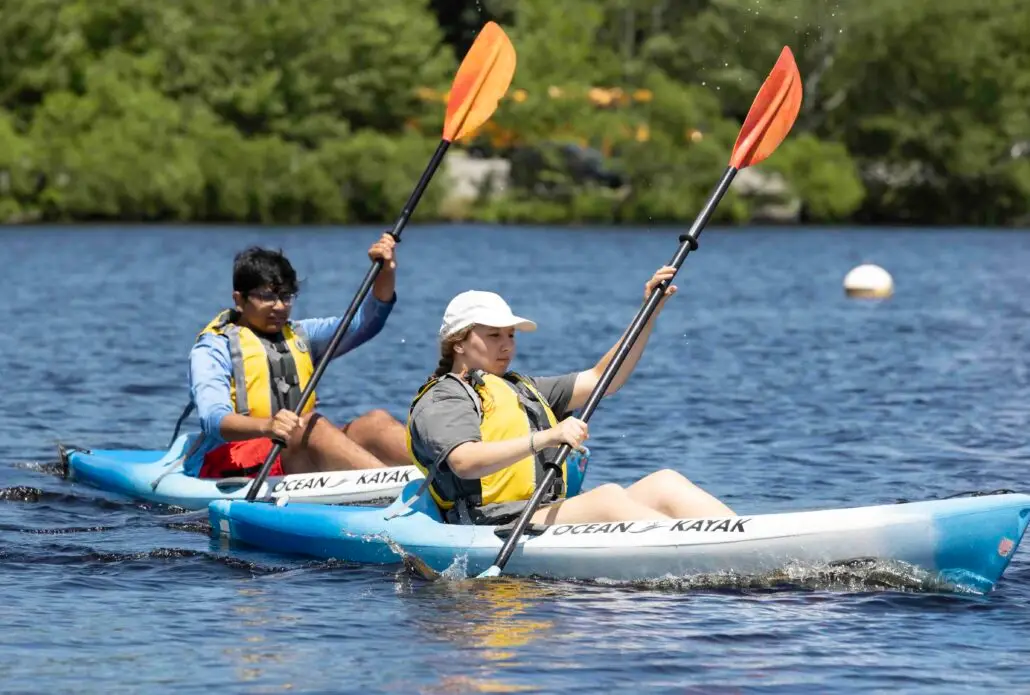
x: 621, y: 110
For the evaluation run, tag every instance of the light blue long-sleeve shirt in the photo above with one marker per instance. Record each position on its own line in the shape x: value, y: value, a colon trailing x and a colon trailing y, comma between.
x: 210, y: 366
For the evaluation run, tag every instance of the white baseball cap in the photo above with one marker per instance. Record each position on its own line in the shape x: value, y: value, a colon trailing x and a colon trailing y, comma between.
x: 484, y: 308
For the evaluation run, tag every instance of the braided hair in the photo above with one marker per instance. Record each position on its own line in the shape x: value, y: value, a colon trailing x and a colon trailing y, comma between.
x: 446, y: 363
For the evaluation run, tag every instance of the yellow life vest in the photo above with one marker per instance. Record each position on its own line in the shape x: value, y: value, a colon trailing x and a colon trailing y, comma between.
x: 267, y: 375
x: 509, y: 407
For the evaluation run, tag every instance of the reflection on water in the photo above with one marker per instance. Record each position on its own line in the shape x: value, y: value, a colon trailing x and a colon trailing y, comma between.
x: 249, y: 621
x: 487, y: 620
x: 472, y: 684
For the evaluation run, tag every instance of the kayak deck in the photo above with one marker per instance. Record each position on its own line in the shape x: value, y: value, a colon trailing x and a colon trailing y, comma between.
x: 157, y: 476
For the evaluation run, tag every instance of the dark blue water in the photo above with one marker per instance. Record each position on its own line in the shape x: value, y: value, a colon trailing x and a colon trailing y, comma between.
x: 762, y: 383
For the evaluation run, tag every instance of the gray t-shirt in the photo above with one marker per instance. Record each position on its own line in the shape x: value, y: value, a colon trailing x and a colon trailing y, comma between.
x: 446, y: 416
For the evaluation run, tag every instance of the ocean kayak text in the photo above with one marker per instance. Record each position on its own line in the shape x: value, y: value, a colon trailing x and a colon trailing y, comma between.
x: 324, y: 482
x: 736, y: 525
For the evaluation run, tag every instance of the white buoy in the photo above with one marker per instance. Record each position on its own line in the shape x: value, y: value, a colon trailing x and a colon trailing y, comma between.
x: 868, y: 281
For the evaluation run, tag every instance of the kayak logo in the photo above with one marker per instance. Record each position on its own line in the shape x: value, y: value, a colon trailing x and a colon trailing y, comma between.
x: 328, y: 482
x: 734, y: 525
x: 383, y: 477
x: 711, y: 525
x: 577, y: 529
x: 319, y: 483
x: 1005, y: 547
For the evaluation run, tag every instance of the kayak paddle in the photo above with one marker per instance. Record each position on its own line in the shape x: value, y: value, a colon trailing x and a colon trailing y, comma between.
x: 768, y: 121
x: 482, y: 79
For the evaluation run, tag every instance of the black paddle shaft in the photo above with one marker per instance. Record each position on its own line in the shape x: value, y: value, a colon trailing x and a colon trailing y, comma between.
x: 352, y: 310
x: 688, y: 243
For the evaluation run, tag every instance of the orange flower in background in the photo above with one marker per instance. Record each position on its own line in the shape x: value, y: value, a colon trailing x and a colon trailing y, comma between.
x: 599, y: 96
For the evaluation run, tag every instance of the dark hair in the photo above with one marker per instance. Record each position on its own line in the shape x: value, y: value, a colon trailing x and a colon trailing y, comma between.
x: 256, y: 267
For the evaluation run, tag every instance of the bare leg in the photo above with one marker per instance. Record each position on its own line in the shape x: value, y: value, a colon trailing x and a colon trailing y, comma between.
x: 663, y: 494
x: 381, y: 435
x: 323, y: 447
x: 607, y: 502
x: 671, y: 493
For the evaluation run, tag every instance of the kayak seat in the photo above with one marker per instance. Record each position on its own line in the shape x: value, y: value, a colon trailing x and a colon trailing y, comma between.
x: 178, y: 453
x: 424, y: 503
x: 180, y: 449
x: 576, y: 466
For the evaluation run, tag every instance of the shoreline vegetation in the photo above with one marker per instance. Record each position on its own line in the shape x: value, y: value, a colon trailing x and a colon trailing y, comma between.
x: 620, y: 112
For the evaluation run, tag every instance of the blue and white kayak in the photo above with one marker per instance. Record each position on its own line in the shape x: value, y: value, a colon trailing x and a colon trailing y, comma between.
x: 157, y: 476
x: 965, y: 542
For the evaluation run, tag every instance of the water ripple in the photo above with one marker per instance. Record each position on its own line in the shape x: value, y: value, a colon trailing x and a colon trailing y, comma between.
x: 761, y: 383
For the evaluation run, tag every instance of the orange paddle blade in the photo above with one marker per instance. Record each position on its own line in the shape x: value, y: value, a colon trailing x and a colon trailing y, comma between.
x: 482, y: 80
x: 772, y: 113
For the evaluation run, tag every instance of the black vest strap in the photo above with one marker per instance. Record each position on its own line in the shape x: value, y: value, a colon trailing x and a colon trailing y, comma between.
x: 182, y: 418
x: 284, y: 379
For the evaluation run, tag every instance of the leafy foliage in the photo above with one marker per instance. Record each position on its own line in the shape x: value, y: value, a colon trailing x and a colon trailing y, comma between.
x: 621, y: 110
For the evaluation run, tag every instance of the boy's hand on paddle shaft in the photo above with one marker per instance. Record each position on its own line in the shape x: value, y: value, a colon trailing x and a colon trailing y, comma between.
x: 283, y: 425
x: 571, y: 431
x: 384, y: 250
x: 666, y: 272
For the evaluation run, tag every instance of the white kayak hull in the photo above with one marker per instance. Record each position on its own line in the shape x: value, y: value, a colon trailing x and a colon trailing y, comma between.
x: 967, y: 542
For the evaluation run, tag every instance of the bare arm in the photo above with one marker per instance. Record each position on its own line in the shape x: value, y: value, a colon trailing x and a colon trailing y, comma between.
x: 445, y: 423
x: 587, y: 381
x: 238, y: 428
x: 282, y: 427
x: 473, y: 460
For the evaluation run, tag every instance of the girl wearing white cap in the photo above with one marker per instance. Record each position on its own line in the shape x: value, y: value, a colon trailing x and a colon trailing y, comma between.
x: 483, y: 435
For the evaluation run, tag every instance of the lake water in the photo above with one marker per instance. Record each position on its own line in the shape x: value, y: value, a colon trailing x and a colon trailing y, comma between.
x: 762, y: 383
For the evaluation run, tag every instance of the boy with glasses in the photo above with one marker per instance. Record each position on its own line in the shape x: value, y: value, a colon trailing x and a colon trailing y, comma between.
x: 250, y: 365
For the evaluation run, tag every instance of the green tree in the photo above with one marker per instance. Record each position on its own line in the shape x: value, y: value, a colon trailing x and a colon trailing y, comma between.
x: 235, y: 111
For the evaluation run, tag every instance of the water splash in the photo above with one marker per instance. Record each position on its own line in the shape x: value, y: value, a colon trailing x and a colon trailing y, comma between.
x: 21, y: 493
x: 859, y: 575
x: 54, y: 468
x: 850, y: 577
x: 59, y: 530
x: 413, y: 564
